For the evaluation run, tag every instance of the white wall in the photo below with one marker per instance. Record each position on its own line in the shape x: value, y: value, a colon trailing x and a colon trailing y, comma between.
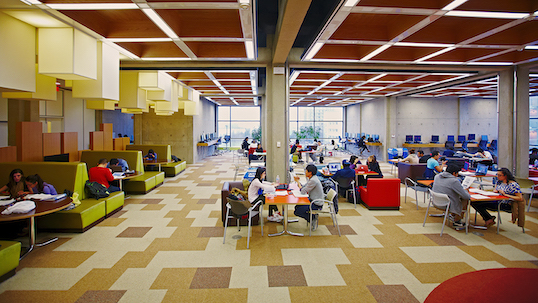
x: 479, y: 117
x: 374, y: 118
x: 353, y: 119
x: 203, y: 122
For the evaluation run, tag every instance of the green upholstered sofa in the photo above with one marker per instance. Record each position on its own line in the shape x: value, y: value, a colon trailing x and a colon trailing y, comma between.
x: 163, y: 151
x: 71, y: 176
x: 141, y: 184
x: 10, y: 253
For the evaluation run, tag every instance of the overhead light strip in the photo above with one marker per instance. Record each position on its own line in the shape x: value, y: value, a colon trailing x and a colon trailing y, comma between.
x: 452, y: 5
x: 120, y: 40
x: 437, y: 53
x: 375, y: 52
x: 313, y: 51
x: 160, y: 23
x: 30, y: 2
x: 89, y: 6
x: 479, y: 14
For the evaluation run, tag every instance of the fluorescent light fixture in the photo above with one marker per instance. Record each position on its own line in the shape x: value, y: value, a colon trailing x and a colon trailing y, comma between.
x: 413, y: 44
x: 166, y: 59
x: 244, y: 1
x: 489, y: 63
x: 91, y: 6
x: 313, y: 51
x: 160, y: 23
x: 233, y: 100
x: 478, y: 14
x: 452, y: 5
x: 351, y: 3
x: 30, y: 2
x: 140, y: 39
x: 533, y: 75
x: 440, y: 62
x: 294, y: 76
x: 249, y: 46
x: 437, y: 53
x: 375, y: 52
x: 531, y: 47
x: 255, y: 101
x: 335, y: 60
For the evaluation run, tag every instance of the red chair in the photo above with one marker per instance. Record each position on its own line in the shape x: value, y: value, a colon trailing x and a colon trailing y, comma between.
x: 381, y: 193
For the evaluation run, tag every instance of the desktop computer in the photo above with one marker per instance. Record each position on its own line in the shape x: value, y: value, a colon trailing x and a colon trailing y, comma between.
x: 435, y: 139
x: 418, y: 139
x: 450, y: 138
x: 484, y: 138
x: 461, y: 139
x: 471, y: 138
x: 376, y: 138
x: 409, y: 139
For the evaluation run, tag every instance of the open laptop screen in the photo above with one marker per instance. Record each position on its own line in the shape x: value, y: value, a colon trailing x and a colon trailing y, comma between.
x: 481, y: 169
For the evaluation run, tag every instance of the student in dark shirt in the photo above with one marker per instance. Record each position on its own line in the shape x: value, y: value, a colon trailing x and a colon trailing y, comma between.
x: 422, y: 158
x: 245, y: 144
x: 343, y: 174
x: 373, y: 165
x: 295, y: 150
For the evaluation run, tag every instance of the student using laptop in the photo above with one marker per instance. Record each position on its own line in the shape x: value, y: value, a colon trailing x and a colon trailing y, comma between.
x: 354, y: 161
x: 448, y: 183
x: 118, y: 165
x: 433, y: 165
x: 345, y: 173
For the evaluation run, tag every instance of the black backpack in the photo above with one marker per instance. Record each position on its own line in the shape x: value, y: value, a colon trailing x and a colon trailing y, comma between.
x: 96, y: 190
x: 175, y: 159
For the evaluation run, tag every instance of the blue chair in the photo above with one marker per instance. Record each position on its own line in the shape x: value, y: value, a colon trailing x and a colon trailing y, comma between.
x: 429, y: 173
x: 227, y: 139
x: 483, y: 144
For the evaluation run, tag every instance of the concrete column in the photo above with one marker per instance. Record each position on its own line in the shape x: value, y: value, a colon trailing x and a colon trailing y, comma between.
x: 391, y: 128
x: 522, y: 122
x: 20, y: 111
x: 505, y: 114
x: 263, y: 120
x: 276, y: 110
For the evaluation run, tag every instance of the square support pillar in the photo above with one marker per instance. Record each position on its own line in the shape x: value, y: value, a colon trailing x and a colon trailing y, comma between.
x: 505, y: 114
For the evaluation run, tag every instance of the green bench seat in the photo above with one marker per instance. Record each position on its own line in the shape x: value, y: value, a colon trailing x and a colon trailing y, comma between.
x: 10, y: 252
x: 163, y: 151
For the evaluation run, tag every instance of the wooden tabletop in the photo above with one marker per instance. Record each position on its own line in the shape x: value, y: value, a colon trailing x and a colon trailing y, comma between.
x: 158, y: 161
x: 129, y: 176
x: 42, y: 208
x: 288, y: 199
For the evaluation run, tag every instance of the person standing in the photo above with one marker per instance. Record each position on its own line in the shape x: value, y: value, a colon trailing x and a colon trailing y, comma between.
x: 362, y: 145
x: 314, y: 189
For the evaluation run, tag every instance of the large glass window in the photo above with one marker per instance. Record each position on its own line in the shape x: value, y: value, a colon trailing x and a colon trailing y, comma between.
x: 323, y: 123
x: 533, y: 123
x: 238, y: 122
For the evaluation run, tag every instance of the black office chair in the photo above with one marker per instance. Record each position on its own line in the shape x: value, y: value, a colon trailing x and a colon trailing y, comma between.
x: 347, y: 184
x: 449, y: 144
x: 493, y: 147
x: 483, y: 144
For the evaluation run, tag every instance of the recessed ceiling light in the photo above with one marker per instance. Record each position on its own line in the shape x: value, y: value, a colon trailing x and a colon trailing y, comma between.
x: 531, y: 47
x: 478, y: 14
x: 140, y: 39
x: 452, y: 5
x: 92, y: 6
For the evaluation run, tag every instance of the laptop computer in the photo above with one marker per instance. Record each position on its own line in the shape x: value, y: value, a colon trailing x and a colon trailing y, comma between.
x: 116, y: 169
x: 481, y: 170
x: 362, y: 167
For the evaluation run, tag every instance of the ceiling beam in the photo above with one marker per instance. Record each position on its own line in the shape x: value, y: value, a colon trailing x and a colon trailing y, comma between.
x: 289, y: 23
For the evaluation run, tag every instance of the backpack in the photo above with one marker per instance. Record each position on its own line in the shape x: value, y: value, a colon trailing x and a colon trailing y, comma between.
x: 96, y: 190
x: 175, y: 159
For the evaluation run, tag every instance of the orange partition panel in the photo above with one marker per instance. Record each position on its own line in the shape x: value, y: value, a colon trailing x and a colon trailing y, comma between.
x: 69, y: 144
x: 107, y: 128
x: 96, y: 140
x: 118, y: 144
x: 29, y: 141
x: 8, y: 154
x: 51, y: 144
x: 126, y: 141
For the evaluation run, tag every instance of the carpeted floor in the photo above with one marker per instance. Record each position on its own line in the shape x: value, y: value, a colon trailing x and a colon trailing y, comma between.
x: 166, y: 246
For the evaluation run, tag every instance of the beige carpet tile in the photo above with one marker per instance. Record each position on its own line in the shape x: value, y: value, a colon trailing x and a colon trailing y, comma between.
x: 119, y: 213
x: 207, y: 201
x: 286, y: 276
x: 211, y: 277
x: 387, y: 293
x: 133, y: 201
x: 151, y: 201
x: 153, y: 207
x: 134, y: 232
x: 436, y: 272
x: 216, y: 214
x: 206, y: 232
x: 205, y: 184
x: 174, y: 278
x: 101, y: 296
x: 206, y: 295
x: 446, y: 240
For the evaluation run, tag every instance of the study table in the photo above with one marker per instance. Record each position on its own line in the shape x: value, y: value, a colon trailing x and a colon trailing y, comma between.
x: 127, y: 176
x: 157, y: 162
x: 285, y: 201
x: 208, y: 143
x: 42, y: 208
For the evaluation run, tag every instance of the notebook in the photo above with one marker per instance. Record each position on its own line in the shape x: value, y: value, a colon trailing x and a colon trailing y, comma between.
x: 297, y: 193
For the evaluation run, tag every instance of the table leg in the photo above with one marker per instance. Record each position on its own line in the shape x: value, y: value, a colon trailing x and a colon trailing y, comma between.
x: 31, y: 238
x: 285, y: 224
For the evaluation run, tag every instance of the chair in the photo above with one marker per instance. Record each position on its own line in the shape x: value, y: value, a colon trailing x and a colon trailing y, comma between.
x: 527, y: 188
x: 429, y: 173
x: 507, y: 202
x: 348, y: 184
x: 483, y: 144
x: 414, y: 185
x: 235, y: 209
x: 440, y: 201
x: 330, y: 200
x: 493, y: 147
x: 227, y: 139
x: 449, y: 145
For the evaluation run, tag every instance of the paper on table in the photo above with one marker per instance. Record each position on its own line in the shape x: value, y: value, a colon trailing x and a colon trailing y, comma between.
x: 466, y: 173
x: 6, y: 202
x: 280, y: 193
x: 483, y: 192
x: 467, y: 182
x: 38, y: 196
x: 479, y: 197
x: 298, y: 194
x: 4, y: 197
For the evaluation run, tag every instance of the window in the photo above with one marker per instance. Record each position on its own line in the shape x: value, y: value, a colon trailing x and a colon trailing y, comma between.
x: 238, y: 122
x: 533, y: 123
x: 324, y: 122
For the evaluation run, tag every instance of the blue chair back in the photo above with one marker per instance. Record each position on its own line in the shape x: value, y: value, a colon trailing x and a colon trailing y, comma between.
x: 428, y: 174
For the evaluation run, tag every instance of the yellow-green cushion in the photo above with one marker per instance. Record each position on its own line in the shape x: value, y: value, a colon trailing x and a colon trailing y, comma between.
x: 114, y: 201
x: 77, y: 219
x: 10, y: 253
x: 159, y: 177
x: 140, y: 184
x: 172, y: 169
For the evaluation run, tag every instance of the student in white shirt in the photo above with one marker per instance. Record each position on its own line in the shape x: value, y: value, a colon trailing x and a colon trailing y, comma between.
x: 483, y: 154
x: 254, y: 194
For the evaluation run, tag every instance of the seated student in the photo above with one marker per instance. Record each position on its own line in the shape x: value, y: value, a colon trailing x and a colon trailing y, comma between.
x: 448, y: 183
x: 343, y: 174
x: 354, y: 161
x: 314, y: 189
x: 533, y: 156
x: 151, y: 155
x: 333, y: 145
x: 373, y: 165
x: 118, y: 162
x: 101, y: 174
x: 36, y: 185
x: 259, y: 149
x: 295, y: 150
x: 484, y: 154
x: 411, y: 158
x: 16, y: 185
x: 421, y: 157
x: 449, y: 152
x: 320, y: 150
x: 506, y: 186
x: 433, y: 164
x: 255, y: 190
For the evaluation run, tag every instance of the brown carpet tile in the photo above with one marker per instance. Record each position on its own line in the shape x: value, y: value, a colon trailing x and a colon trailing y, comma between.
x: 134, y: 232
x: 285, y: 276
x: 101, y: 296
x: 212, y: 277
x: 391, y: 293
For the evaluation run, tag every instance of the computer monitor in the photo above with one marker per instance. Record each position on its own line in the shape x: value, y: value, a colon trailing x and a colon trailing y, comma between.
x: 471, y: 137
x: 409, y: 138
x: 435, y: 139
x: 450, y: 138
x: 466, y: 165
x: 418, y: 138
x: 362, y: 134
x: 481, y: 170
x: 333, y: 167
x: 461, y: 138
x: 376, y: 137
x: 347, y: 135
x: 484, y: 137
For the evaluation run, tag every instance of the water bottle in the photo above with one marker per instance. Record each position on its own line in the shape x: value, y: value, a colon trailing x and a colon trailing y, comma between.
x: 277, y: 179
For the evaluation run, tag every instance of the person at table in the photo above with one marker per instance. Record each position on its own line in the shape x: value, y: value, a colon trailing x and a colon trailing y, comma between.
x: 433, y: 166
x: 362, y: 145
x: 421, y: 157
x: 255, y: 194
x: 448, y: 183
x: 320, y: 150
x: 244, y: 144
x: 533, y: 156
x: 253, y: 144
x: 118, y: 162
x: 483, y: 154
x: 354, y: 161
x: 314, y: 189
x: 343, y: 174
x: 411, y: 158
x: 102, y: 175
x: 449, y: 151
x: 151, y: 156
x: 36, y: 185
x: 333, y: 145
x: 16, y: 185
x: 373, y: 165
x: 508, y: 187
x: 259, y: 149
x: 295, y: 150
